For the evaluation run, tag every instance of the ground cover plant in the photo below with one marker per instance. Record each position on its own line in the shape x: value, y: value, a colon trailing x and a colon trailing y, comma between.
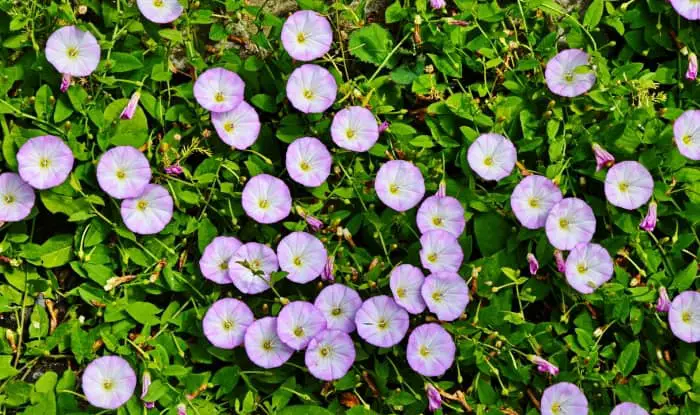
x: 349, y: 207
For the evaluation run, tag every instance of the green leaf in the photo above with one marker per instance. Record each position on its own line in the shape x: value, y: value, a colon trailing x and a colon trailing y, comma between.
x: 206, y: 232
x: 125, y: 62
x: 143, y: 312
x: 42, y: 104
x: 6, y: 369
x: 628, y: 358
x: 594, y: 13
x: 304, y: 410
x: 77, y: 96
x: 264, y: 102
x: 684, y: 279
x: 371, y: 44
x: 395, y: 13
x: 492, y: 232
x: 46, y: 383
x: 133, y: 132
x: 55, y: 252
x: 38, y: 323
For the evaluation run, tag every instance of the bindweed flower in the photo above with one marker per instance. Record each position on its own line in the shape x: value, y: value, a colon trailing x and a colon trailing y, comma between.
x: 108, y: 382
x: 72, y: 52
x: 383, y: 126
x: 311, y: 89
x: 570, y: 222
x: 438, y: 4
x: 588, y: 266
x: 263, y: 345
x: 434, y: 398
x: 130, y: 109
x: 628, y: 408
x: 440, y: 251
x: 308, y: 161
x: 560, y: 261
x: 543, y: 366
x: 314, y: 223
x: 65, y: 82
x: 663, y: 304
x: 690, y: 9
x: 302, y: 256
x: 684, y: 316
x: 150, y: 212
x: 686, y: 134
x: 628, y: 185
x: 219, y: 90
x: 145, y: 385
x: 602, y: 157
x: 533, y: 264
x: 123, y: 172
x: 160, y: 11
x: 405, y: 282
x: 225, y: 323
x: 298, y: 323
x: 446, y: 294
x: 354, y: 129
x: 328, y: 269
x: 330, y: 355
x: 492, y: 156
x: 568, y: 75
x: 16, y: 198
x: 399, y: 185
x: 430, y: 350
x: 174, y: 170
x: 563, y: 398
x: 381, y: 322
x: 44, y: 162
x: 181, y: 409
x: 306, y: 35
x: 238, y: 127
x: 532, y: 199
x: 649, y: 222
x: 440, y: 212
x: 250, y: 267
x: 339, y: 304
x: 442, y: 190
x: 266, y: 199
x: 692, y: 72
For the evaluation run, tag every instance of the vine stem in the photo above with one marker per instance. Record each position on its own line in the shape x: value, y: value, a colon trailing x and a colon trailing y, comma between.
x: 386, y: 60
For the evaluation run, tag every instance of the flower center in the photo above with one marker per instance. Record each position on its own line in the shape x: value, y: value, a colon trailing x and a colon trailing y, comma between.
x: 301, y: 37
x: 267, y: 345
x: 324, y: 351
x: 158, y: 3
x: 686, y: 317
x: 72, y: 52
x: 297, y: 261
x: 228, y: 127
x: 382, y: 324
x: 263, y: 204
x: 304, y: 166
x: 623, y: 186
x: 424, y: 351
x: 227, y: 325
x: 336, y: 311
x: 401, y: 293
x: 432, y: 257
x: 687, y: 139
x: 488, y: 161
x: 437, y: 296
x: 437, y: 221
x: 142, y: 205
x: 44, y: 163
x: 107, y: 384
x: 556, y: 408
x: 569, y: 77
x: 120, y: 174
x: 533, y: 202
x: 308, y: 94
x: 393, y: 189
x: 255, y: 264
x: 219, y: 97
x: 581, y: 268
x: 9, y: 199
x: 350, y: 133
x: 299, y: 331
x: 563, y: 223
x: 223, y: 266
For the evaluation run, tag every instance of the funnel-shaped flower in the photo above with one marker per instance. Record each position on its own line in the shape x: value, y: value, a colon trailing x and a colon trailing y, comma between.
x: 44, y: 162
x: 306, y: 35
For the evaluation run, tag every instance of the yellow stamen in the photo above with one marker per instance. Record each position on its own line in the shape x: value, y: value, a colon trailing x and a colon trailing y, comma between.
x: 488, y: 161
x: 382, y: 324
x: 228, y: 127
x: 142, y: 205
x: 219, y: 97
x: 393, y: 189
x: 563, y: 223
x: 437, y: 221
x: 120, y: 174
x: 308, y: 94
x: 263, y: 204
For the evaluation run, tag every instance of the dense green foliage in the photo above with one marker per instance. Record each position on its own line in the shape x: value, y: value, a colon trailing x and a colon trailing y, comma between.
x: 440, y: 83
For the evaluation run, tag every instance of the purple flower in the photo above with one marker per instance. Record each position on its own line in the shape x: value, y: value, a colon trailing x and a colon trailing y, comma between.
x: 308, y: 161
x: 442, y: 190
x: 160, y: 11
x: 328, y: 269
x: 298, y: 323
x: 315, y: 223
x: 215, y: 258
x: 145, y: 384
x: 16, y: 198
x: 150, y: 212
x: 383, y: 126
x: 430, y: 350
x: 439, y: 212
x: 434, y: 398
x: 628, y: 185
x: 238, y: 127
x: 302, y: 255
x: 663, y: 304
x: 72, y: 51
x: 628, y: 408
x: 263, y: 346
x: 306, y: 35
x: 649, y: 222
x: 226, y: 321
x: 563, y: 398
x: 339, y: 304
x: 123, y: 172
x: 568, y: 75
x: 532, y: 262
x: 311, y: 89
x: 330, y: 355
x: 692, y: 72
x: 181, y: 409
x: 690, y: 9
x: 219, y: 90
x: 588, y: 266
x: 174, y: 170
x: 130, y: 109
x: 44, y: 162
x: 250, y: 267
x: 602, y: 157
x: 570, y: 222
x: 65, y: 82
x: 560, y: 261
x: 108, y: 382
x: 440, y: 251
x: 544, y: 366
x: 492, y: 156
x: 438, y: 4
x: 266, y: 199
x: 399, y: 185
x: 405, y: 282
x: 446, y: 294
x: 684, y: 316
x: 686, y: 134
x: 532, y: 199
x: 355, y: 129
x: 381, y: 322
